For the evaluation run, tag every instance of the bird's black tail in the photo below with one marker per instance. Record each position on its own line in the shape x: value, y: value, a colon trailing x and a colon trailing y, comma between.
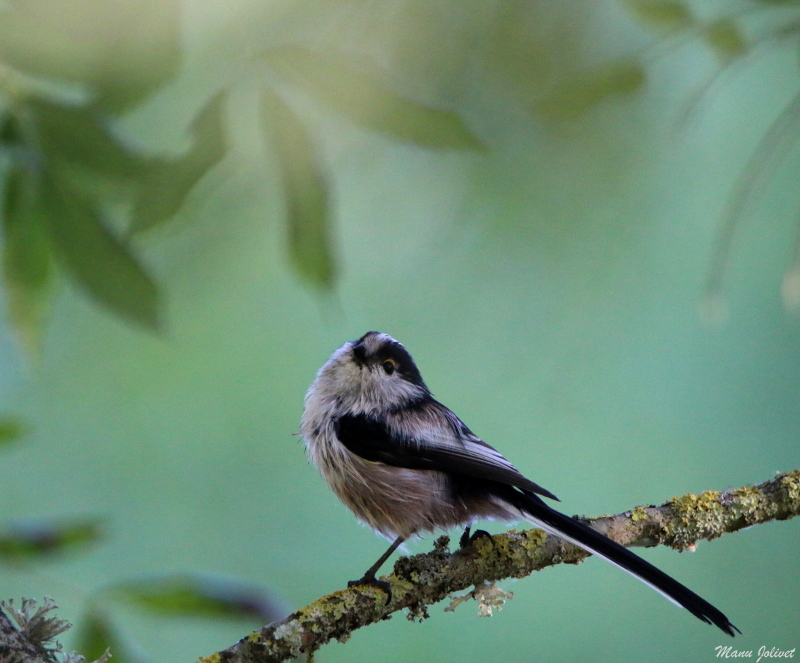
x: 584, y: 536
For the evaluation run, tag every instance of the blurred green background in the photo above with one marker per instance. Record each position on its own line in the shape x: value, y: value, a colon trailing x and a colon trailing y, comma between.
x: 530, y: 196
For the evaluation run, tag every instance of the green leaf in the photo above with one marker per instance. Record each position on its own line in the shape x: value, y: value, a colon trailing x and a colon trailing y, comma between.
x: 11, y: 430
x: 95, y: 635
x: 35, y: 539
x: 27, y: 261
x: 168, y: 182
x: 357, y: 89
x: 726, y: 39
x: 662, y: 14
x: 305, y: 187
x: 100, y: 263
x: 81, y: 135
x: 581, y: 93
x: 189, y: 596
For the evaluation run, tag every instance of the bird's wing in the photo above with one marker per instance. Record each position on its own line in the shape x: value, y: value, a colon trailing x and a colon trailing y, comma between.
x: 447, y: 445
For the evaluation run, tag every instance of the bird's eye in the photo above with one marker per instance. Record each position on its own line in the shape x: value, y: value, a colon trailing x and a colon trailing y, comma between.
x: 389, y: 366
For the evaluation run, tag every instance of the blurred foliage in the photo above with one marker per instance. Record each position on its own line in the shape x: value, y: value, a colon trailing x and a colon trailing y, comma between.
x: 177, y: 597
x: 305, y: 188
x: 166, y: 182
x: 358, y: 90
x: 122, y: 51
x: 195, y: 596
x: 56, y: 202
x: 772, y: 150
x: 11, y: 430
x: 33, y: 539
x: 96, y: 259
x: 96, y: 636
x: 184, y: 596
x: 77, y: 194
x: 662, y: 14
x: 61, y: 154
x: 578, y: 95
x: 27, y: 260
x: 725, y: 37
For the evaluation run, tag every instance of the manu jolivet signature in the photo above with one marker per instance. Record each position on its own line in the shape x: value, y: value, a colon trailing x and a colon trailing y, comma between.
x: 763, y: 652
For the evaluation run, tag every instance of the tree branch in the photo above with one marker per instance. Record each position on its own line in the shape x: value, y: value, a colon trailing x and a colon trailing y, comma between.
x: 425, y: 579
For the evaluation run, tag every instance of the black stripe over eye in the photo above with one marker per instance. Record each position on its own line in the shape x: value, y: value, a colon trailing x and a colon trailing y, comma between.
x: 360, y: 354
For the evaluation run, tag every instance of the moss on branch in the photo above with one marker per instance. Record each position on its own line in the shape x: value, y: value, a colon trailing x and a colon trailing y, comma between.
x: 425, y: 579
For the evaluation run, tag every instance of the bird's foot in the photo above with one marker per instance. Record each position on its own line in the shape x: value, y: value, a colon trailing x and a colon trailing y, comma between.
x: 468, y: 539
x: 370, y: 579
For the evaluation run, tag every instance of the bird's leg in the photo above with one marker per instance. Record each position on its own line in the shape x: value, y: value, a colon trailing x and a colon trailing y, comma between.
x: 467, y: 539
x: 369, y: 577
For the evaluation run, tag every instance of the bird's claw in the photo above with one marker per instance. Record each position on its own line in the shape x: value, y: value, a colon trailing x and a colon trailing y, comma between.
x: 468, y: 539
x: 372, y: 580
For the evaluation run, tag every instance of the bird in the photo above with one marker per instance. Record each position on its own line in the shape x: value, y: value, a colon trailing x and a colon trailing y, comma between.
x: 406, y: 465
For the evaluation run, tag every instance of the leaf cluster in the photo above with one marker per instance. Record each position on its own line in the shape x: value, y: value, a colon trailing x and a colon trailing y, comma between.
x: 65, y: 169
x: 75, y: 193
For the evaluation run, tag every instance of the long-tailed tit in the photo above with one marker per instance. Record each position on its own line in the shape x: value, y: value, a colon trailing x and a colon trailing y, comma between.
x: 405, y: 464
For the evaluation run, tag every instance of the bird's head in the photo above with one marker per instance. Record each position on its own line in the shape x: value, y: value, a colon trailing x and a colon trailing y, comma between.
x: 372, y: 374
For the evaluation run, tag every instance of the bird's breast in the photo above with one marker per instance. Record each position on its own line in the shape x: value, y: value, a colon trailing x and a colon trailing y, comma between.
x: 394, y: 501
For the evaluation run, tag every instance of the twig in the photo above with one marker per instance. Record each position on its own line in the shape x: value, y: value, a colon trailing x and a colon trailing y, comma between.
x: 425, y: 579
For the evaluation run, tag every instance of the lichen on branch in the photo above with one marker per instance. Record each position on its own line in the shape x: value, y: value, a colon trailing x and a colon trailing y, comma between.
x: 425, y: 579
x: 28, y: 634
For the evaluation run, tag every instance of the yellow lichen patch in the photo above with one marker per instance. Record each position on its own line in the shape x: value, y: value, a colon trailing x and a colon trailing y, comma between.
x: 790, y: 482
x: 689, y: 507
x: 534, y: 539
x: 698, y: 517
x: 400, y: 586
x: 639, y: 513
x: 214, y: 658
x: 744, y: 501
